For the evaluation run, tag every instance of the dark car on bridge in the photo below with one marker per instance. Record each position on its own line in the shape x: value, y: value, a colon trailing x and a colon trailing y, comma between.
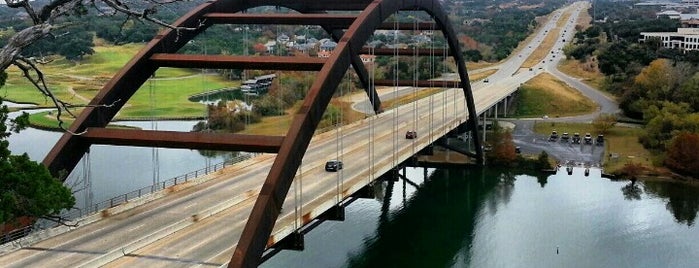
x: 411, y: 134
x: 333, y: 165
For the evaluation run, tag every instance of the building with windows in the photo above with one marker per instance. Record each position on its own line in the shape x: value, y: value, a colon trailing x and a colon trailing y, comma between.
x: 685, y: 38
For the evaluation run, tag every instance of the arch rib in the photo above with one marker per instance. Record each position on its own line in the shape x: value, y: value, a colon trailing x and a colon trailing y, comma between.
x: 264, y: 214
x: 70, y: 148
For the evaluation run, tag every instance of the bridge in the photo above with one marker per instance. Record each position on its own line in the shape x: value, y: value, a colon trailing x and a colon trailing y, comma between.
x: 245, y: 212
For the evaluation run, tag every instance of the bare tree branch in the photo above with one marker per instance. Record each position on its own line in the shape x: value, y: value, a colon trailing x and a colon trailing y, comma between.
x: 28, y: 66
x: 45, y: 22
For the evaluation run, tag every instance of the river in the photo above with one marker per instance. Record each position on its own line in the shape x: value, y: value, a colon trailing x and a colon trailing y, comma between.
x: 490, y: 218
x: 454, y: 218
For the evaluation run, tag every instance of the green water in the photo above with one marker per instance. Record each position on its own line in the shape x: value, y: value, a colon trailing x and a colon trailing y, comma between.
x: 488, y: 218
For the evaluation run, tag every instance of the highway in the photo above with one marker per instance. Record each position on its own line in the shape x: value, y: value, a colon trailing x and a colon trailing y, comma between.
x: 199, y: 225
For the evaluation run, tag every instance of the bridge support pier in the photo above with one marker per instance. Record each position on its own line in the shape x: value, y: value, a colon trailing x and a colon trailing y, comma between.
x: 293, y: 241
x: 496, y: 110
x: 335, y: 213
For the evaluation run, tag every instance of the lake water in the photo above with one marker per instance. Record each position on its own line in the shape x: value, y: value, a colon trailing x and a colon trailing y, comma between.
x: 451, y: 218
x: 115, y: 170
x: 490, y: 218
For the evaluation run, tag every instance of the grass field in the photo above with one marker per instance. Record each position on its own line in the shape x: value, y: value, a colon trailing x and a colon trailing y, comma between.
x: 560, y: 99
x: 587, y: 72
x: 621, y: 143
x: 78, y: 83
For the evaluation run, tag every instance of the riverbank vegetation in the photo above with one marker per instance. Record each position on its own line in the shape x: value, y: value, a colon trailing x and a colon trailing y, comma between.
x: 501, y: 151
x: 657, y: 86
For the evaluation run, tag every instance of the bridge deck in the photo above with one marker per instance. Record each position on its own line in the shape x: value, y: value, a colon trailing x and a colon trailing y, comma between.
x: 199, y: 225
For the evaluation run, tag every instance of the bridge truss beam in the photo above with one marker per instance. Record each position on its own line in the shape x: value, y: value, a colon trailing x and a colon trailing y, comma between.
x: 158, y: 52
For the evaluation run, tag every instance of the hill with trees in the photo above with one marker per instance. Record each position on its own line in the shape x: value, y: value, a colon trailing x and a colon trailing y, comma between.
x: 653, y: 84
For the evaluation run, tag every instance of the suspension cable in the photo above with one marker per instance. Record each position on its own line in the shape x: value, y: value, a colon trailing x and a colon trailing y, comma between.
x: 395, y: 86
x: 432, y: 72
x: 87, y: 178
x: 372, y: 86
x: 154, y: 126
x: 416, y: 77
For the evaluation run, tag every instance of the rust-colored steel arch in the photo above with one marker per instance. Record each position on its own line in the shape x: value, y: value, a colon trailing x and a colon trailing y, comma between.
x: 266, y: 210
x: 291, y: 148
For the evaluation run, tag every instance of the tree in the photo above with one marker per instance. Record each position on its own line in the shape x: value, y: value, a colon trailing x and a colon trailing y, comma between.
x: 542, y: 162
x: 503, y: 152
x: 26, y: 187
x: 603, y: 123
x: 683, y: 154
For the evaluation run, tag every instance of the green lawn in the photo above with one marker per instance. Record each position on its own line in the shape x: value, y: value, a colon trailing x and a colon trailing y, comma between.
x: 78, y: 83
x: 559, y: 99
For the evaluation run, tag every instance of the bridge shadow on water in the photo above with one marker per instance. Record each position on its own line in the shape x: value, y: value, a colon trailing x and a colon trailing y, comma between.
x: 436, y: 222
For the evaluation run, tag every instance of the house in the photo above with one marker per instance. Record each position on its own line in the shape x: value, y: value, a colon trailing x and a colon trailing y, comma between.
x: 270, y: 45
x: 324, y: 53
x: 328, y: 45
x: 283, y: 39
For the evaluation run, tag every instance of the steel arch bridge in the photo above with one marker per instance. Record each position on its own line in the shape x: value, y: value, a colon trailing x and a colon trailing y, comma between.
x: 351, y: 31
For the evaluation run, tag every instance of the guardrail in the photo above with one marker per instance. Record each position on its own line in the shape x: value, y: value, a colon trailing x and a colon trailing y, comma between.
x: 123, y: 198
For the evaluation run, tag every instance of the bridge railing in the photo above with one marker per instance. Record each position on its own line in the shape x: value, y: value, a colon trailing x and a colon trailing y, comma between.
x: 123, y: 198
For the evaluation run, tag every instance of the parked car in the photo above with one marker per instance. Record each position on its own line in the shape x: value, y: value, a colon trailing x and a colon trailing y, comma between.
x: 518, y: 150
x: 588, y: 138
x: 333, y: 165
x: 600, y: 140
x: 576, y: 138
x: 554, y: 136
x: 411, y: 134
x: 565, y: 137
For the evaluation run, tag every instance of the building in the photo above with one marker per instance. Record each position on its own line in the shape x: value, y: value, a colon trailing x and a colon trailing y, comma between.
x: 685, y: 38
x: 669, y: 13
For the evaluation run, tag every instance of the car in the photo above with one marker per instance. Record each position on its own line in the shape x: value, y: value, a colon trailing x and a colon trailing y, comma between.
x: 411, y: 134
x: 565, y: 137
x: 531, y: 69
x: 333, y: 165
x: 576, y: 138
x: 588, y: 138
x: 518, y: 150
x: 600, y: 139
x: 486, y: 80
x: 554, y: 136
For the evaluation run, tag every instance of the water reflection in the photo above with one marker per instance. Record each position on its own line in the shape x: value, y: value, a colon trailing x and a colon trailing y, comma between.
x: 428, y: 230
x: 681, y: 199
x: 493, y: 218
x: 632, y: 191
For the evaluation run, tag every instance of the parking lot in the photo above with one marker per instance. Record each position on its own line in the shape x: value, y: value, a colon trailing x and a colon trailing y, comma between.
x: 560, y: 149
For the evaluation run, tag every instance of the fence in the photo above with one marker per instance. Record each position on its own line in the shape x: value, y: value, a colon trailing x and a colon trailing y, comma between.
x: 123, y: 198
